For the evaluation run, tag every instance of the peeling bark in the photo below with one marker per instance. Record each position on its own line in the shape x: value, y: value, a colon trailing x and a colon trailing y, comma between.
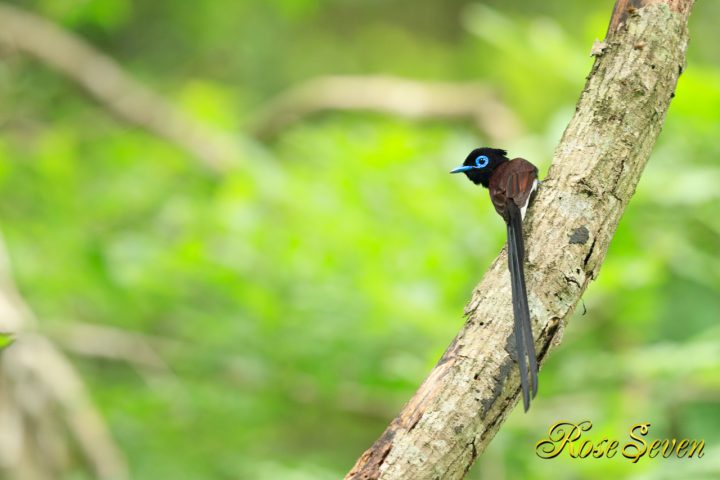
x: 596, y: 167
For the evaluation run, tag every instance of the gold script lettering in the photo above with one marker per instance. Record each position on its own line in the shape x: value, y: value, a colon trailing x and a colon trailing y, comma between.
x: 635, y: 451
x: 682, y: 446
x: 560, y: 435
x: 697, y: 447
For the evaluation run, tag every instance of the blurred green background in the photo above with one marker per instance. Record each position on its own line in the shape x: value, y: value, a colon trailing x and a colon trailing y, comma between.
x: 299, y: 298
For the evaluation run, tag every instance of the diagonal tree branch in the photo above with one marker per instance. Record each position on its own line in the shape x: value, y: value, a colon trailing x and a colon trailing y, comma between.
x: 596, y: 167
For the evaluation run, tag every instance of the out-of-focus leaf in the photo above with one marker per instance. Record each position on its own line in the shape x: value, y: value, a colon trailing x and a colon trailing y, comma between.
x: 5, y: 340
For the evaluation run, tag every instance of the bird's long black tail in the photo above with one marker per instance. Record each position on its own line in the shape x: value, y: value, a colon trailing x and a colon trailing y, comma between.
x: 524, y: 343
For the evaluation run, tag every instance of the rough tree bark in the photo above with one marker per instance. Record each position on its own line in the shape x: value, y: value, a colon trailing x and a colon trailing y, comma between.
x: 596, y: 167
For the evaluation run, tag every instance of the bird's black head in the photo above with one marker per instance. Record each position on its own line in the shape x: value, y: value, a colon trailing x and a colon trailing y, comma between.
x: 481, y: 163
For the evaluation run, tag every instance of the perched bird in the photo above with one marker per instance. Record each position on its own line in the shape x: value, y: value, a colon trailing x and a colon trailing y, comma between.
x: 512, y: 184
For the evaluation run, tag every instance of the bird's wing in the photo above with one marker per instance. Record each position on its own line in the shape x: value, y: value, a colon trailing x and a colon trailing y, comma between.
x: 521, y: 182
x: 513, y: 181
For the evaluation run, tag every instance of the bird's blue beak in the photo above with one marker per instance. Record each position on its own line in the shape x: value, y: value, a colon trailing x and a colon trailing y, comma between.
x: 463, y: 168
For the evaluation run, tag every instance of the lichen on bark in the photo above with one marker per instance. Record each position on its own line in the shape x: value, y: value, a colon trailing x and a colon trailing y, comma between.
x: 595, y: 169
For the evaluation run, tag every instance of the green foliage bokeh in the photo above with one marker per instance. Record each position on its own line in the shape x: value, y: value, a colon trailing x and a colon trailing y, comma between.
x: 299, y: 299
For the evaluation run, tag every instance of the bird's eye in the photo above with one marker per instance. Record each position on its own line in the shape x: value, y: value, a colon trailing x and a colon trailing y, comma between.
x: 482, y: 161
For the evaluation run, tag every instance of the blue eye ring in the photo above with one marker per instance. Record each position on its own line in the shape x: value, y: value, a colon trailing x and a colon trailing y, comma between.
x: 481, y: 161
